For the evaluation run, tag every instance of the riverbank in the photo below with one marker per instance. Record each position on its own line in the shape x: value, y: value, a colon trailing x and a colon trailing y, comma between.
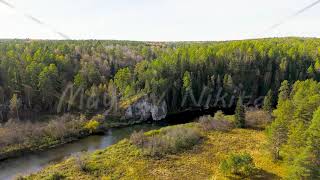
x: 34, y: 162
x: 19, y: 138
x: 125, y: 160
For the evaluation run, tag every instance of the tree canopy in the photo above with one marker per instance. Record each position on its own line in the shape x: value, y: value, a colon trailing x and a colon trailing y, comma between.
x: 29, y: 68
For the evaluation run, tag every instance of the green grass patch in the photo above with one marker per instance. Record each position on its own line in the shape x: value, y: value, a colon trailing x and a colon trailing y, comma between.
x: 126, y: 160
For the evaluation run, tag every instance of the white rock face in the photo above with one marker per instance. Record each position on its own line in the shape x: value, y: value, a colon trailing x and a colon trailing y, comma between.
x: 159, y: 112
x: 144, y: 109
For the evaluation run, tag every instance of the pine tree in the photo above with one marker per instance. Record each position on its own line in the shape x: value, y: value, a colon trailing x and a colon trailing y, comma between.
x: 187, y: 82
x: 284, y: 91
x: 306, y: 163
x: 240, y: 114
x: 277, y: 132
x: 313, y: 146
x: 268, y: 102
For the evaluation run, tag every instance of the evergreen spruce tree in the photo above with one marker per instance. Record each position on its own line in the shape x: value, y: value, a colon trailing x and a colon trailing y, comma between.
x: 284, y: 91
x: 277, y: 132
x: 268, y: 102
x: 306, y: 164
x: 313, y: 146
x: 240, y: 114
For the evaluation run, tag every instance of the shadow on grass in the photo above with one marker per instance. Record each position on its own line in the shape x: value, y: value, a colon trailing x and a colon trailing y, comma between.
x: 262, y: 174
x: 258, y: 175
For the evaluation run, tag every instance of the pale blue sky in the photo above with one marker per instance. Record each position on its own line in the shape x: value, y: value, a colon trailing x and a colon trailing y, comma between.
x: 159, y: 20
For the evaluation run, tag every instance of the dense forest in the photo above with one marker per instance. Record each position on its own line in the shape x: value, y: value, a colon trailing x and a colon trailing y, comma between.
x: 252, y: 143
x: 34, y: 74
x: 294, y: 135
x: 280, y: 75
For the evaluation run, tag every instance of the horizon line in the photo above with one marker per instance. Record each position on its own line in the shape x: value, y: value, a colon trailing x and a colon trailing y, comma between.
x: 163, y: 41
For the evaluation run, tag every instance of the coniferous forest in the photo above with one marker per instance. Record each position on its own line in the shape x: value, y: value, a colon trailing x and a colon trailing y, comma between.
x: 261, y: 97
x: 37, y: 72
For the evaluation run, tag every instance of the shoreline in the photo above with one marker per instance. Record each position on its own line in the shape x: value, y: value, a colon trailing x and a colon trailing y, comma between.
x: 27, y: 150
x: 170, y: 119
x: 201, y: 160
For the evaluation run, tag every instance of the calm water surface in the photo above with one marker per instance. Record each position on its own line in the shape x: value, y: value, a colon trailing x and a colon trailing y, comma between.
x: 34, y: 162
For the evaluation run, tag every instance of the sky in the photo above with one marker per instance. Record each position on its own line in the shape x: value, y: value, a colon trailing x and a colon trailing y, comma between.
x: 158, y: 20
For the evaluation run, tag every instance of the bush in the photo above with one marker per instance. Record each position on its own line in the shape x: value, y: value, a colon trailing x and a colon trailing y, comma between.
x: 138, y: 138
x: 157, y: 146
x: 92, y: 126
x: 219, y: 115
x: 81, y: 162
x: 166, y: 141
x: 238, y: 164
x: 208, y: 123
x: 257, y: 119
x: 27, y: 134
x: 182, y: 138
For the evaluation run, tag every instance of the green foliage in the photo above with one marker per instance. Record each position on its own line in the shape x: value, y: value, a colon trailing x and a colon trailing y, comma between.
x: 240, y: 115
x: 305, y: 100
x: 125, y: 160
x: 123, y: 80
x: 80, y: 81
x: 284, y: 91
x: 46, y: 67
x: 278, y: 131
x: 39, y: 71
x: 187, y: 82
x: 294, y: 134
x: 317, y: 65
x: 307, y: 162
x: 238, y: 164
x: 312, y: 149
x: 48, y: 84
x: 268, y: 102
x: 311, y: 71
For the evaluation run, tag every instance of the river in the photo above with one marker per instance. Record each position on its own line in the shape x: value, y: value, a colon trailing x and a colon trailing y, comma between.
x: 33, y: 162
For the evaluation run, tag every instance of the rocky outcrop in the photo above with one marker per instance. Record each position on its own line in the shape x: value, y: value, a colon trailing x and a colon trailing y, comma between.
x: 144, y: 109
x: 159, y: 112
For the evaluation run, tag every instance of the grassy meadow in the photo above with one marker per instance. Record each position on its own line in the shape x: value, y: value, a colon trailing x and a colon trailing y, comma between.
x: 126, y: 160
